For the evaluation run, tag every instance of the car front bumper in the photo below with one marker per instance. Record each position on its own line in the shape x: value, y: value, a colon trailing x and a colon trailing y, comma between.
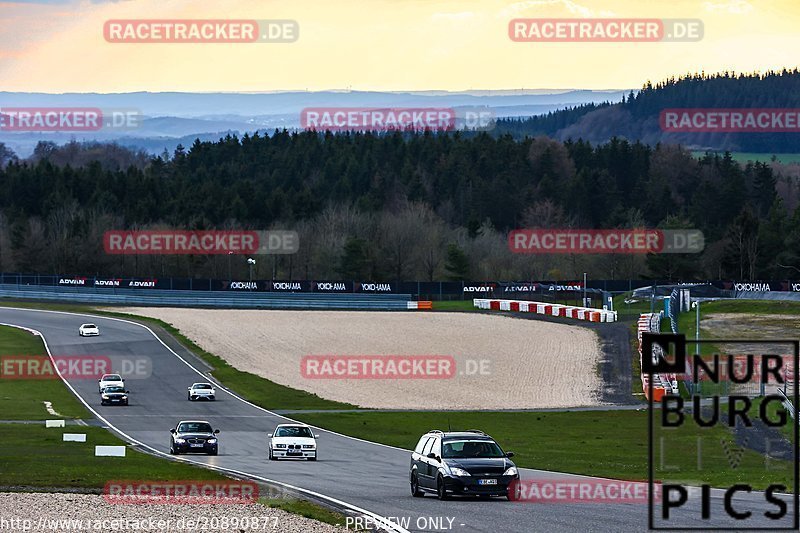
x: 469, y: 485
x: 291, y: 454
x: 114, y: 401
x: 206, y: 448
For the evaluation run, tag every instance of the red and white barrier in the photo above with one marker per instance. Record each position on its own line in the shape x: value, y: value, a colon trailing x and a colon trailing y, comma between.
x: 662, y: 383
x: 568, y: 311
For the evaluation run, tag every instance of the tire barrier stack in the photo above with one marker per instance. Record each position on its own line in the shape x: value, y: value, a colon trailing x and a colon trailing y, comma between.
x: 662, y: 383
x: 589, y: 314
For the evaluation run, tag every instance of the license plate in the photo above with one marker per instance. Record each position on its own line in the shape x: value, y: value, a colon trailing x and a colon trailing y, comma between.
x: 196, y: 445
x: 487, y: 482
x: 294, y: 452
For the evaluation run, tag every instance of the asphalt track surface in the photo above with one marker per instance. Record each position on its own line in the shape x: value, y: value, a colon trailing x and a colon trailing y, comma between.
x: 369, y: 476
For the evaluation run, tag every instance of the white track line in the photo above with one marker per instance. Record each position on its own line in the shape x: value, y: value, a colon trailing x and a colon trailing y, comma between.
x: 384, y: 522
x: 50, y: 410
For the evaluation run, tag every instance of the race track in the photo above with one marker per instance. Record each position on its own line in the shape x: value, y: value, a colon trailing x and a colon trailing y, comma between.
x: 370, y: 476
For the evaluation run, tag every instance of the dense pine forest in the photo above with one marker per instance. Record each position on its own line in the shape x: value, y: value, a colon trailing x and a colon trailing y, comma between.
x: 636, y: 117
x: 398, y: 206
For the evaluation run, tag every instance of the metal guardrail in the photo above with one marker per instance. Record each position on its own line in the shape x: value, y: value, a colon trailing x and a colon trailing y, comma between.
x: 245, y: 300
x: 787, y: 403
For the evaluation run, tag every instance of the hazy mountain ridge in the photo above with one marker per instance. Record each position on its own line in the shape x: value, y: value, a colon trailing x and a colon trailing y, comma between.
x: 173, y: 118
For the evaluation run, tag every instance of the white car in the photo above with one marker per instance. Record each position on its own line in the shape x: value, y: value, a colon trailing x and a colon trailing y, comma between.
x: 88, y: 330
x: 293, y: 440
x: 110, y: 380
x: 201, y: 391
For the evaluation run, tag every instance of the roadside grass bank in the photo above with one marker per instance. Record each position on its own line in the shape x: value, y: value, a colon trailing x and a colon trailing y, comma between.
x: 35, y: 456
x: 609, y: 444
x: 307, y: 509
x: 22, y: 396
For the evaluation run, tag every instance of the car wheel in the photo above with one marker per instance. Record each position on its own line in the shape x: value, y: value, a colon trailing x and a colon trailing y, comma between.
x: 441, y: 491
x: 271, y: 458
x: 215, y: 452
x: 415, y: 487
x: 126, y: 402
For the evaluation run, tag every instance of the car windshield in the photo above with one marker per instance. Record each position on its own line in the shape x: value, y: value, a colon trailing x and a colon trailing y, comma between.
x: 201, y: 386
x: 114, y: 389
x: 471, y: 449
x: 194, y: 427
x: 89, y: 326
x: 294, y: 431
x: 111, y: 377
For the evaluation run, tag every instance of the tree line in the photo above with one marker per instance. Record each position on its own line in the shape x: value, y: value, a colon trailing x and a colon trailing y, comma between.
x: 398, y: 206
x: 637, y: 115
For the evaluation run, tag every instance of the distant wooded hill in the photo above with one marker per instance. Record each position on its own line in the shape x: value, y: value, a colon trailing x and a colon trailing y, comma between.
x: 637, y: 116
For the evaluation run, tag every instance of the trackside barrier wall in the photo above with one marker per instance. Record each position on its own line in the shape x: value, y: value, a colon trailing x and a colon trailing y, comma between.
x: 567, y: 311
x: 254, y: 299
x: 662, y: 383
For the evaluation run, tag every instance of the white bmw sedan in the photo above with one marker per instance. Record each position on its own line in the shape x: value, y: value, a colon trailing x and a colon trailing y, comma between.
x: 293, y: 441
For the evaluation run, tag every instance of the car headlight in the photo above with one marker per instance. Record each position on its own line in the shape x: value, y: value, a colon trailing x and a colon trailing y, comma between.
x: 124, y: 397
x: 308, y: 446
x: 458, y: 472
x: 511, y: 471
x: 280, y: 446
x: 180, y: 440
x: 104, y: 396
x: 212, y: 441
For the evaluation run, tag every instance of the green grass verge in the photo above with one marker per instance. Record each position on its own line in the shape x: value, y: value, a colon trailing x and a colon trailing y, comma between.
x: 260, y: 391
x: 307, y: 509
x: 598, y: 443
x: 23, y: 399
x: 35, y: 456
x: 454, y: 305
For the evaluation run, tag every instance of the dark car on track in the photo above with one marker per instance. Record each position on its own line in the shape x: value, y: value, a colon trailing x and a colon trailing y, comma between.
x: 114, y: 395
x: 468, y: 463
x: 193, y: 436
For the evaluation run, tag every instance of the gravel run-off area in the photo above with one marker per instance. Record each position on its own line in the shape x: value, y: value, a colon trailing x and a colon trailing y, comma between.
x: 21, y: 511
x: 500, y: 362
